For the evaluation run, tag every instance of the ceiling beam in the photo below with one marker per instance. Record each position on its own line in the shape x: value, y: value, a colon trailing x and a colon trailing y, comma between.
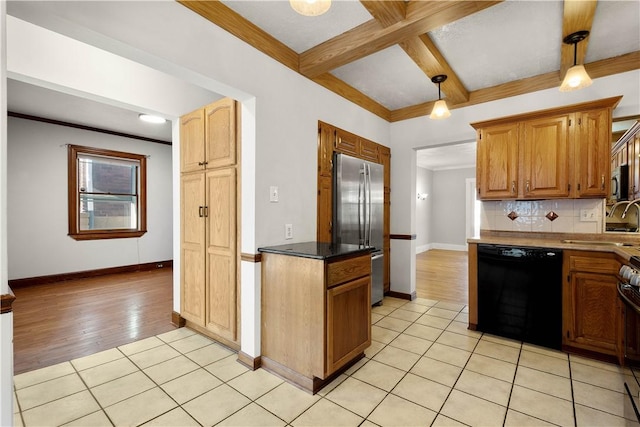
x: 420, y: 49
x: 577, y: 16
x: 602, y: 68
x: 372, y: 37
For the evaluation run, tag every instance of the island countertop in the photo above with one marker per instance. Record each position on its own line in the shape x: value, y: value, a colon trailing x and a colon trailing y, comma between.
x: 316, y: 250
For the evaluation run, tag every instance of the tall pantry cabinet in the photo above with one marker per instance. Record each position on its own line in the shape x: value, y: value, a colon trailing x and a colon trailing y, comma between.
x: 209, y: 211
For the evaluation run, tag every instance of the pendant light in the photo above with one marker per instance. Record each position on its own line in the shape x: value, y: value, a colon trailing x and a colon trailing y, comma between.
x: 440, y: 109
x: 310, y: 7
x: 576, y: 77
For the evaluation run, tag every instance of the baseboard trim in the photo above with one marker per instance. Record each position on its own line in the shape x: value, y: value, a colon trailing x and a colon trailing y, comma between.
x: 449, y: 247
x: 252, y: 363
x: 6, y: 301
x: 402, y: 295
x: 43, y: 280
x: 178, y: 320
x: 204, y: 331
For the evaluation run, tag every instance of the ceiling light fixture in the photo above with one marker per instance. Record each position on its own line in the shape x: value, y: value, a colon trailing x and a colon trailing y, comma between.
x: 440, y: 109
x: 151, y: 119
x: 576, y: 77
x: 310, y: 7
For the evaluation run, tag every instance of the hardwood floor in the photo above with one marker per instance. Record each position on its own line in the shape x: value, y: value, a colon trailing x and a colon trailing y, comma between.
x: 61, y: 321
x: 442, y: 275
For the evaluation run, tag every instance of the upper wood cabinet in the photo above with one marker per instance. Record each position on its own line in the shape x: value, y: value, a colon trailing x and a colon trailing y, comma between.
x: 626, y: 150
x: 207, y: 138
x: 546, y: 161
x: 593, y: 150
x: 497, y: 161
x: 558, y: 153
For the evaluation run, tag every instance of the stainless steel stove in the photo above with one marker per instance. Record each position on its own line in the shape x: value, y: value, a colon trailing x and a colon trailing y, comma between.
x: 629, y: 290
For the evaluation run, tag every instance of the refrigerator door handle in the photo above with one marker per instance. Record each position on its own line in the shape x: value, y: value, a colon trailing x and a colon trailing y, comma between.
x: 361, y: 191
x: 369, y: 206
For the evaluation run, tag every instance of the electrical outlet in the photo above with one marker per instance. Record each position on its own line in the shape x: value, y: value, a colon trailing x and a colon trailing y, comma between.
x: 273, y: 194
x: 587, y: 215
x: 288, y: 231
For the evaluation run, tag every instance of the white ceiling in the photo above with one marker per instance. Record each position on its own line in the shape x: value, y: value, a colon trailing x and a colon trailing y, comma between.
x: 451, y: 156
x: 509, y: 41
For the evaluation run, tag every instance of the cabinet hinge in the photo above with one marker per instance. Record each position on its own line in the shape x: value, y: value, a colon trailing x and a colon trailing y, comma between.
x: 568, y: 334
x: 568, y: 278
x: 569, y: 125
x: 578, y: 186
x: 480, y: 134
x: 579, y: 122
x: 568, y: 187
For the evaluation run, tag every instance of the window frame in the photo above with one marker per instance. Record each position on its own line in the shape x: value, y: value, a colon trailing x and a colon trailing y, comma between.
x: 74, y: 198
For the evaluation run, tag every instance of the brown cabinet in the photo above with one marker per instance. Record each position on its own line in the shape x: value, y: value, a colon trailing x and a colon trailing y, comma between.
x: 592, y: 316
x: 626, y: 150
x: 334, y: 140
x: 316, y: 315
x: 497, y: 161
x: 209, y: 234
x: 558, y: 153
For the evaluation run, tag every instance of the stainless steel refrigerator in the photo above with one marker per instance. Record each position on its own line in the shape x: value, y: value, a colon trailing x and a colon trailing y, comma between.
x: 358, y: 212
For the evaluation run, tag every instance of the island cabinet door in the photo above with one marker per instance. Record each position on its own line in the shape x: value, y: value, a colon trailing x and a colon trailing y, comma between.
x: 348, y: 322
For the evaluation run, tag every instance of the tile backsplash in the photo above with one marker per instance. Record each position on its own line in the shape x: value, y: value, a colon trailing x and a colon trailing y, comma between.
x: 549, y: 216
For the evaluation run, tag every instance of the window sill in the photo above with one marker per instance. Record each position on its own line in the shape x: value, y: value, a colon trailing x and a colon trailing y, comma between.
x: 98, y: 235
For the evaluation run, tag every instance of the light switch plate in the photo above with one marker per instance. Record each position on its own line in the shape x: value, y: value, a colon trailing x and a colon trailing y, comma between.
x: 273, y: 193
x: 288, y: 231
x: 588, y: 215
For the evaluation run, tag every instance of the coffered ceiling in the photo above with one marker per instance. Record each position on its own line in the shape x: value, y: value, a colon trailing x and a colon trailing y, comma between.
x: 382, y: 54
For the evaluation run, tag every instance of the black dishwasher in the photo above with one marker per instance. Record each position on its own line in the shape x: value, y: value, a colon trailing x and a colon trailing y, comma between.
x: 520, y: 293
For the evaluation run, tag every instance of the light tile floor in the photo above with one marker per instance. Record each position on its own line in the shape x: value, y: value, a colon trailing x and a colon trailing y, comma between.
x: 423, y: 368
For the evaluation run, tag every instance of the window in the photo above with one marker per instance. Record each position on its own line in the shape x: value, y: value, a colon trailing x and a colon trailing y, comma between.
x: 107, y: 194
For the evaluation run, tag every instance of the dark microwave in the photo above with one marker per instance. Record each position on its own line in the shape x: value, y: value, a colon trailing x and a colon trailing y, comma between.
x: 620, y: 183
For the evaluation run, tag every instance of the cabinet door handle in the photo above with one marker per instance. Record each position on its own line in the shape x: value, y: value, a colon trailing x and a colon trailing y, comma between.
x: 200, y: 211
x: 602, y: 183
x: 513, y: 187
x: 527, y: 186
x: 203, y: 163
x: 206, y: 211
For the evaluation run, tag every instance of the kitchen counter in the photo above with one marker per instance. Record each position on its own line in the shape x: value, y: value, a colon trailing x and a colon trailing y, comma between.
x: 316, y: 250
x: 582, y: 242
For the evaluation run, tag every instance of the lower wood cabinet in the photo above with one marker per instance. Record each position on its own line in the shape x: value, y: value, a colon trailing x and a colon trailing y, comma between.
x: 316, y: 316
x: 592, y: 310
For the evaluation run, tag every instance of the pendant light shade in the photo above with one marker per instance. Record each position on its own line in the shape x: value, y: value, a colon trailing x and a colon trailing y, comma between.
x: 576, y: 77
x: 310, y: 7
x: 440, y: 109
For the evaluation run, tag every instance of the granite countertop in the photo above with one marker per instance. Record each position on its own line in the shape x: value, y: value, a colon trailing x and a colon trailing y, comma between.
x: 316, y: 250
x: 630, y: 242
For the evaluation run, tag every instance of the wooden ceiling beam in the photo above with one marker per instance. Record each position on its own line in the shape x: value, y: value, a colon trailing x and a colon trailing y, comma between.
x: 372, y: 37
x: 577, y: 16
x: 420, y: 49
x: 602, y: 68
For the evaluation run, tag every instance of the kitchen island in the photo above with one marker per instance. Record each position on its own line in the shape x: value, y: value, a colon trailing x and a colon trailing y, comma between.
x: 316, y: 310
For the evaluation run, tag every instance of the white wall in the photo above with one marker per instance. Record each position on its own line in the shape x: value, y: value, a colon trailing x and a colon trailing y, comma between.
x: 38, y: 243
x: 449, y: 208
x: 6, y: 320
x: 424, y: 181
x: 280, y: 107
